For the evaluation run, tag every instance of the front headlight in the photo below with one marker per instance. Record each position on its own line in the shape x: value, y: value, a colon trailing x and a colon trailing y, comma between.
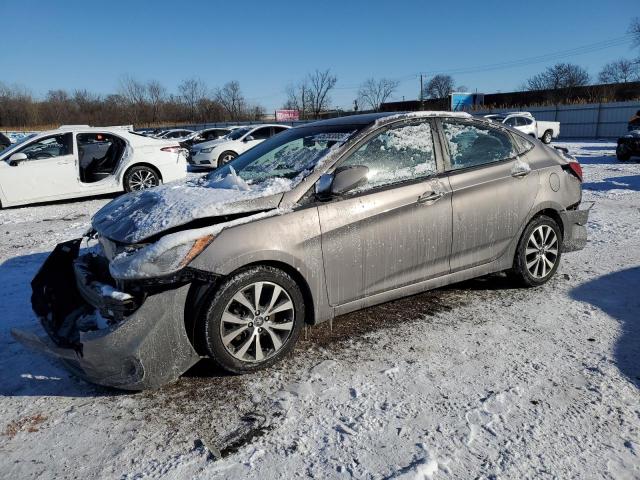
x: 207, y: 150
x: 168, y: 255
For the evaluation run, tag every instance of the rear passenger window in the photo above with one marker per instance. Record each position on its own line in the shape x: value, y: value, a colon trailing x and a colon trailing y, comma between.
x: 398, y: 154
x: 471, y: 145
x: 522, y: 144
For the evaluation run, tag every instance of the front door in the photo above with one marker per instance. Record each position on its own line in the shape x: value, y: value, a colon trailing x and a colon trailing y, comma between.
x: 493, y: 191
x: 49, y: 171
x: 396, y: 229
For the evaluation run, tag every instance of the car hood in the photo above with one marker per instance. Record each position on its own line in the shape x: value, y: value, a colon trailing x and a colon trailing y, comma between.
x: 137, y: 216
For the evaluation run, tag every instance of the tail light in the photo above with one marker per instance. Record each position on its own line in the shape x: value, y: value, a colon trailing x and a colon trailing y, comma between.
x: 172, y: 149
x: 574, y: 168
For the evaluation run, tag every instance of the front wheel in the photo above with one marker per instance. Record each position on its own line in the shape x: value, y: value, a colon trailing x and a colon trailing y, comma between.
x: 547, y: 137
x: 253, y: 320
x: 622, y: 154
x: 226, y: 157
x: 140, y: 178
x: 538, y: 253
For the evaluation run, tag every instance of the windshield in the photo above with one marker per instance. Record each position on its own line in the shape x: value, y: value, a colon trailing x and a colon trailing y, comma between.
x: 290, y: 154
x: 237, y: 133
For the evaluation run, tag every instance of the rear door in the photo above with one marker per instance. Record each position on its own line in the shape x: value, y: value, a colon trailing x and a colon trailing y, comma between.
x: 492, y: 187
x: 49, y: 171
x: 396, y: 229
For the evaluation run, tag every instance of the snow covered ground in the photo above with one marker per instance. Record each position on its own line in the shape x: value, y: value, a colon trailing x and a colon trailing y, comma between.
x: 479, y: 380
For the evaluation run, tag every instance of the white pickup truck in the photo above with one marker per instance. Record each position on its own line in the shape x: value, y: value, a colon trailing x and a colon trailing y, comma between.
x: 524, y: 121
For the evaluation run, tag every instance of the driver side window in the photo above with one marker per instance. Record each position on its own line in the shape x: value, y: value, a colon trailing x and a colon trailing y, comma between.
x: 398, y: 154
x: 261, y: 133
x: 49, y: 147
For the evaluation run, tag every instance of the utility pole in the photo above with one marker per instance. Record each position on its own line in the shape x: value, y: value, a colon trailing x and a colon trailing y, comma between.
x: 421, y: 97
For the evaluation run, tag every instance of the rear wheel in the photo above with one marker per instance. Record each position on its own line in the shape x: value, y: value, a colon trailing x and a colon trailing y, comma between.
x: 547, y: 137
x: 538, y: 253
x: 253, y: 320
x: 140, y: 178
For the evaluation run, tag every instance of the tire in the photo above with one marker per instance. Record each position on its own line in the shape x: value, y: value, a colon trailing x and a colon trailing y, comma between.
x: 547, y: 137
x: 141, y: 177
x: 226, y: 157
x: 529, y: 267
x: 622, y: 154
x: 241, y: 340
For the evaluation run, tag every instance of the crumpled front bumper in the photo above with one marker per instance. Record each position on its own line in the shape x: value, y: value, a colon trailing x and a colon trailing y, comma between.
x: 145, y: 349
x: 575, y: 229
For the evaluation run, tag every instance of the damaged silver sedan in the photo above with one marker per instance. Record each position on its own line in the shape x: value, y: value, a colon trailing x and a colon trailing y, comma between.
x: 318, y: 221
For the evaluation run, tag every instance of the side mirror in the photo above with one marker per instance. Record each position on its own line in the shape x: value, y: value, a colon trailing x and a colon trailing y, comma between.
x: 16, y: 159
x: 343, y: 180
x: 249, y: 138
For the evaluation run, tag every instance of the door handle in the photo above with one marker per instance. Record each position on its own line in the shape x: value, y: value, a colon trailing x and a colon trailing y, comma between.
x: 520, y: 173
x: 430, y: 197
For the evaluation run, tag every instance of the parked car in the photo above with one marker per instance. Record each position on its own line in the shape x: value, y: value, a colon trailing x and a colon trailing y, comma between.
x: 320, y: 220
x: 4, y: 141
x: 148, y: 132
x: 524, y: 121
x: 174, y: 134
x: 628, y: 146
x: 80, y: 161
x: 206, y: 135
x: 219, y: 152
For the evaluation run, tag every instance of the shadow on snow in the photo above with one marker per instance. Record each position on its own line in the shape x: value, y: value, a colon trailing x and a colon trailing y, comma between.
x: 616, y: 294
x: 630, y: 182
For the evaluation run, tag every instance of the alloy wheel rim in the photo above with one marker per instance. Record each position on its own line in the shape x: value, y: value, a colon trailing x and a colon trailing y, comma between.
x: 257, y: 322
x: 541, y: 253
x: 141, y: 179
x: 227, y: 158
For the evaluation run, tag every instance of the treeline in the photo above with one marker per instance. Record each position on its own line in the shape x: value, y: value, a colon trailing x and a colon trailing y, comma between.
x: 139, y: 103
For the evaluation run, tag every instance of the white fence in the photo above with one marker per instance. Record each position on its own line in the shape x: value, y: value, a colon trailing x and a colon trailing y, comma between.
x: 590, y: 120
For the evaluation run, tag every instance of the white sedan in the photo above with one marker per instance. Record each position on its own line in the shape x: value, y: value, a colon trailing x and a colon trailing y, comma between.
x: 216, y: 153
x: 80, y: 161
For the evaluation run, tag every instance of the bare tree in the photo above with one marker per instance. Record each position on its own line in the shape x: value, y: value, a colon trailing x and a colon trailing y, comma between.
x: 375, y: 92
x: 135, y: 93
x: 298, y: 98
x: 560, y: 75
x: 157, y: 94
x: 192, y: 91
x: 620, y: 71
x: 634, y: 30
x: 320, y: 84
x: 231, y: 98
x: 439, y: 86
x: 58, y: 107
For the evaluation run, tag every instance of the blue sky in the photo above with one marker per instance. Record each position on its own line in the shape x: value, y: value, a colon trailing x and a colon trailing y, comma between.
x: 267, y: 45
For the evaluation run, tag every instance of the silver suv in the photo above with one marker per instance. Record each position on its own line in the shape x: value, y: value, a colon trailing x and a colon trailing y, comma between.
x: 321, y: 220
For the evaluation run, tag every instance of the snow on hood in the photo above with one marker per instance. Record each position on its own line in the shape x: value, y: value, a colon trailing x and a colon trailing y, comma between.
x: 136, y: 216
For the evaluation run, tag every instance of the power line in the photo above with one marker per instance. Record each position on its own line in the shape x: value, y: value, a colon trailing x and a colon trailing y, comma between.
x: 558, y: 55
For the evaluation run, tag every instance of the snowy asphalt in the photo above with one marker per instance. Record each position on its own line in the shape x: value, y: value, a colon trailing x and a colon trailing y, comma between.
x: 477, y: 380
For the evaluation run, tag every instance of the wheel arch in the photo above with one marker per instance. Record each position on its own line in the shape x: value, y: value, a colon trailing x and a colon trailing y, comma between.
x: 200, y: 293
x: 141, y: 164
x: 226, y: 150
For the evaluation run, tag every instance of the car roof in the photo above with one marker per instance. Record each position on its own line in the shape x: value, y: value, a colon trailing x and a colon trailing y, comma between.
x: 368, y: 118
